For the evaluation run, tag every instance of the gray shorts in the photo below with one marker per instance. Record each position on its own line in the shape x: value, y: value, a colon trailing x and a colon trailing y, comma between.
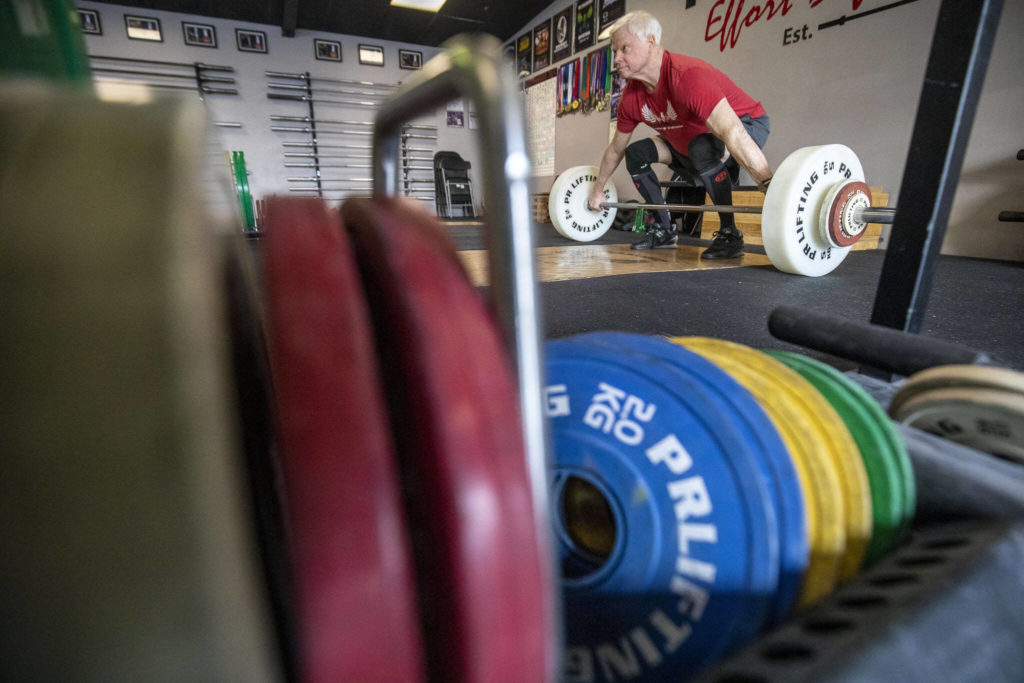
x: 705, y: 151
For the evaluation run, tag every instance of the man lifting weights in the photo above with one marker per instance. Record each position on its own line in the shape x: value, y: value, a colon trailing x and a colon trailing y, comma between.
x: 695, y: 108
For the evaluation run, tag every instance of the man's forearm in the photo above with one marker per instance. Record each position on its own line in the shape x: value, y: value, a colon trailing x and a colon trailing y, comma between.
x: 609, y: 162
x: 727, y: 127
x: 749, y: 156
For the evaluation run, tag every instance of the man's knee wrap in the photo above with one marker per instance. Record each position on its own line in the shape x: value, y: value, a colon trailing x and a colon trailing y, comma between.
x: 716, y: 174
x: 705, y: 152
x: 734, y: 170
x: 640, y: 155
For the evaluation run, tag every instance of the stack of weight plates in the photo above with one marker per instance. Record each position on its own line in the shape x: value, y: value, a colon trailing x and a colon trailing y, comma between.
x: 413, y: 547
x: 703, y: 490
x: 980, y: 407
x: 883, y: 451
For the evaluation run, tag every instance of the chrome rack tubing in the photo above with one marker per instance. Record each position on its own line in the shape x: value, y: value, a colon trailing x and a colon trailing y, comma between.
x: 471, y: 66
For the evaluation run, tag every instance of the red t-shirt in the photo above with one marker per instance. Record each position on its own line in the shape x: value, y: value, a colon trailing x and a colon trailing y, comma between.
x: 688, y: 89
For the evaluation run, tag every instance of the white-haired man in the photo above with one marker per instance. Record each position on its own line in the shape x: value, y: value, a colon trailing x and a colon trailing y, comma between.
x: 708, y: 127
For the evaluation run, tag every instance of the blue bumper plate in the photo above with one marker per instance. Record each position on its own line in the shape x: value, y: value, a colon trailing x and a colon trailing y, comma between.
x: 666, y: 524
x: 773, y: 460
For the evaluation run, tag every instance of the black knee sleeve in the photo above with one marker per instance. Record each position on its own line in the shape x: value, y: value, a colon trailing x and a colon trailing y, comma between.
x: 647, y: 184
x: 734, y: 169
x: 640, y: 155
x: 718, y: 183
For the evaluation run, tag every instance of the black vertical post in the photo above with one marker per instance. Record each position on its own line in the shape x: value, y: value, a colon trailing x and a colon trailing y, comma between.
x: 407, y: 185
x: 312, y: 127
x: 199, y: 79
x: 961, y: 47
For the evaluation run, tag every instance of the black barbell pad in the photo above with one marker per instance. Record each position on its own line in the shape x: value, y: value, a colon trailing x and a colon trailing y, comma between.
x: 895, y: 351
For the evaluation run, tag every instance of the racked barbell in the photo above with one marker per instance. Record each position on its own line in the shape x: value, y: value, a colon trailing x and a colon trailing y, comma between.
x: 816, y: 207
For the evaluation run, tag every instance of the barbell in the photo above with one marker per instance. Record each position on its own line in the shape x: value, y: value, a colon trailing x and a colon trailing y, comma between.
x: 865, y: 214
x: 816, y: 207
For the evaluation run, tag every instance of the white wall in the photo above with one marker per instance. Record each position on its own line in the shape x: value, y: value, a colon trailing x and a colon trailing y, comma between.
x: 856, y: 84
x: 252, y: 108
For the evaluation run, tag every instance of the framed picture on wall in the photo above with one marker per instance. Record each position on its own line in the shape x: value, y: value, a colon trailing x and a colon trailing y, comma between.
x: 371, y: 54
x: 410, y: 59
x: 143, y: 28
x: 200, y: 35
x: 455, y: 114
x: 584, y: 31
x: 561, y: 35
x: 508, y: 54
x: 250, y: 41
x: 542, y: 45
x: 90, y: 21
x: 524, y: 54
x: 611, y: 10
x: 327, y: 50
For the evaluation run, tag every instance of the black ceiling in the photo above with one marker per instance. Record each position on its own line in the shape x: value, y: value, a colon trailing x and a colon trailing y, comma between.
x: 367, y: 18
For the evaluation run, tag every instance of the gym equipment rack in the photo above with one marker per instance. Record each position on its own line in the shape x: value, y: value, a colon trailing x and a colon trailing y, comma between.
x: 319, y: 151
x: 166, y: 75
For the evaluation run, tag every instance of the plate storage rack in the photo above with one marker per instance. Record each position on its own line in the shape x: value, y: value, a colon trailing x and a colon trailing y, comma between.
x: 417, y: 161
x: 331, y: 156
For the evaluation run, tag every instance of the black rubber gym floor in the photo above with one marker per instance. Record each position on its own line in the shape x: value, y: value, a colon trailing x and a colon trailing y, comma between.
x: 975, y: 303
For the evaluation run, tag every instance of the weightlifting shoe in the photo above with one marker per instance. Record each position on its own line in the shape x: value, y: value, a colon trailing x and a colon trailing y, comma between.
x: 658, y: 237
x: 727, y: 243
